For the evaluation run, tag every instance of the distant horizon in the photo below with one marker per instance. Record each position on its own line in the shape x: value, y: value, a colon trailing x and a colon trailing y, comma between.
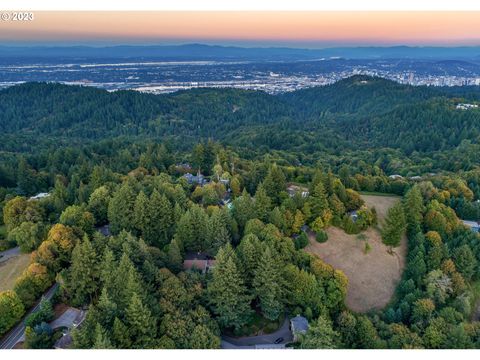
x: 305, y: 30
x: 226, y: 45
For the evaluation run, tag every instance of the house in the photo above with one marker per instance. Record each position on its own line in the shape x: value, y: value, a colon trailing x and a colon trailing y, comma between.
x: 415, y: 178
x: 298, y: 326
x: 40, y: 196
x: 225, y: 182
x: 466, y: 106
x: 198, y: 179
x: 292, y: 190
x: 473, y: 225
x: 198, y: 261
x: 395, y: 176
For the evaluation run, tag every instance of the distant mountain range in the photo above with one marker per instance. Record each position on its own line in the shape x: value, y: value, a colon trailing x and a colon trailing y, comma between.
x: 232, y: 53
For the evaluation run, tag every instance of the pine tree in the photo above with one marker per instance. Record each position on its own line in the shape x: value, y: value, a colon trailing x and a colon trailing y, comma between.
x: 228, y: 294
x: 275, y: 184
x: 218, y: 234
x: 141, y: 325
x: 267, y: 286
x: 107, y: 309
x: 121, y: 209
x: 414, y: 208
x: 83, y: 274
x: 318, y: 201
x: 394, y: 226
x: 161, y: 216
x: 249, y: 253
x: 102, y: 340
x: 108, y: 269
x: 243, y: 209
x: 120, y: 335
x: 276, y: 218
x: 262, y: 203
x: 175, y: 259
x: 141, y: 214
x: 320, y: 336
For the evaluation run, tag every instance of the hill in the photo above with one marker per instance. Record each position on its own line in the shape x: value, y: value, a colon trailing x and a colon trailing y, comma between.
x: 357, y: 114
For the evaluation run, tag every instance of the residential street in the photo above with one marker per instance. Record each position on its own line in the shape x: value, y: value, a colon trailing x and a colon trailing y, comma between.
x: 283, y: 332
x: 16, y: 334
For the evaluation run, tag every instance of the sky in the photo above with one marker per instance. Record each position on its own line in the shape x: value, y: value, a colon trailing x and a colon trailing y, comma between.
x: 294, y: 29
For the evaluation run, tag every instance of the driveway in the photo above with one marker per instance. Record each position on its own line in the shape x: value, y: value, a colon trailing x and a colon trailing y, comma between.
x: 7, y: 254
x: 283, y: 332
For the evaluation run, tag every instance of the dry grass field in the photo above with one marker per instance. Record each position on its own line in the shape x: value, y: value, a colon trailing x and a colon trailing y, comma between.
x: 11, y: 269
x: 372, y: 276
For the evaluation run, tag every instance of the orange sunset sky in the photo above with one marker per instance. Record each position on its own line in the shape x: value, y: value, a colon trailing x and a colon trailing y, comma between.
x: 311, y: 29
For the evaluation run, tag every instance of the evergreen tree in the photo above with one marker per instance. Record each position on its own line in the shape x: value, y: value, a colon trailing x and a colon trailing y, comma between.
x: 320, y: 336
x: 267, y: 285
x: 228, y: 294
x: 275, y: 184
x: 141, y: 214
x: 141, y: 325
x: 394, y: 226
x: 318, y: 201
x: 414, y: 208
x: 102, y: 340
x: 121, y: 213
x: 262, y: 203
x: 83, y: 274
x: 161, y: 220
x: 218, y: 234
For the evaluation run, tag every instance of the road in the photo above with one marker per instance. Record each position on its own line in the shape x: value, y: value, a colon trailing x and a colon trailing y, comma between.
x: 7, y: 254
x: 15, y: 335
x: 244, y: 342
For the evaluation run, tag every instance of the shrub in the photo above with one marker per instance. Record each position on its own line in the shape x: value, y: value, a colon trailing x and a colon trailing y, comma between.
x: 367, y: 248
x: 301, y: 241
x: 44, y: 314
x: 321, y: 236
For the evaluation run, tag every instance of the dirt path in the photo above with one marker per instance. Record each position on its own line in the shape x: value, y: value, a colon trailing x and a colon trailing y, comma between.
x: 373, y: 276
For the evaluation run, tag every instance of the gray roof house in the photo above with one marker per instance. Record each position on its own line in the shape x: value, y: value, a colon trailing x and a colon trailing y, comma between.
x: 299, y: 326
x: 473, y: 225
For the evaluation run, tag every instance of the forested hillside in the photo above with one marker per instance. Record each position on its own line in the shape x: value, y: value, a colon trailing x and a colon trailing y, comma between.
x: 123, y: 217
x: 357, y: 119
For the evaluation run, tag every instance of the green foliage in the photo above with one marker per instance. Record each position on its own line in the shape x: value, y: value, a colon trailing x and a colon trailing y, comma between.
x: 228, y: 294
x: 321, y: 236
x: 394, y: 226
x: 301, y: 241
x: 320, y: 335
x: 43, y: 314
x: 11, y: 308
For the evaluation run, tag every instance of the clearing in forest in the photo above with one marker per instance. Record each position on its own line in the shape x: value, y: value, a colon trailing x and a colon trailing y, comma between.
x: 372, y: 276
x: 11, y: 269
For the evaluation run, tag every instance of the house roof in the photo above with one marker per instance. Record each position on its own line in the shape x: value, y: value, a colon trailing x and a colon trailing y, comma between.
x: 470, y: 223
x: 299, y: 324
x: 202, y: 265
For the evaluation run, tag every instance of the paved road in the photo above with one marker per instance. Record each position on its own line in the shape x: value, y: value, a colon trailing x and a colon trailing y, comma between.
x: 283, y: 332
x: 7, y: 254
x: 16, y: 335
